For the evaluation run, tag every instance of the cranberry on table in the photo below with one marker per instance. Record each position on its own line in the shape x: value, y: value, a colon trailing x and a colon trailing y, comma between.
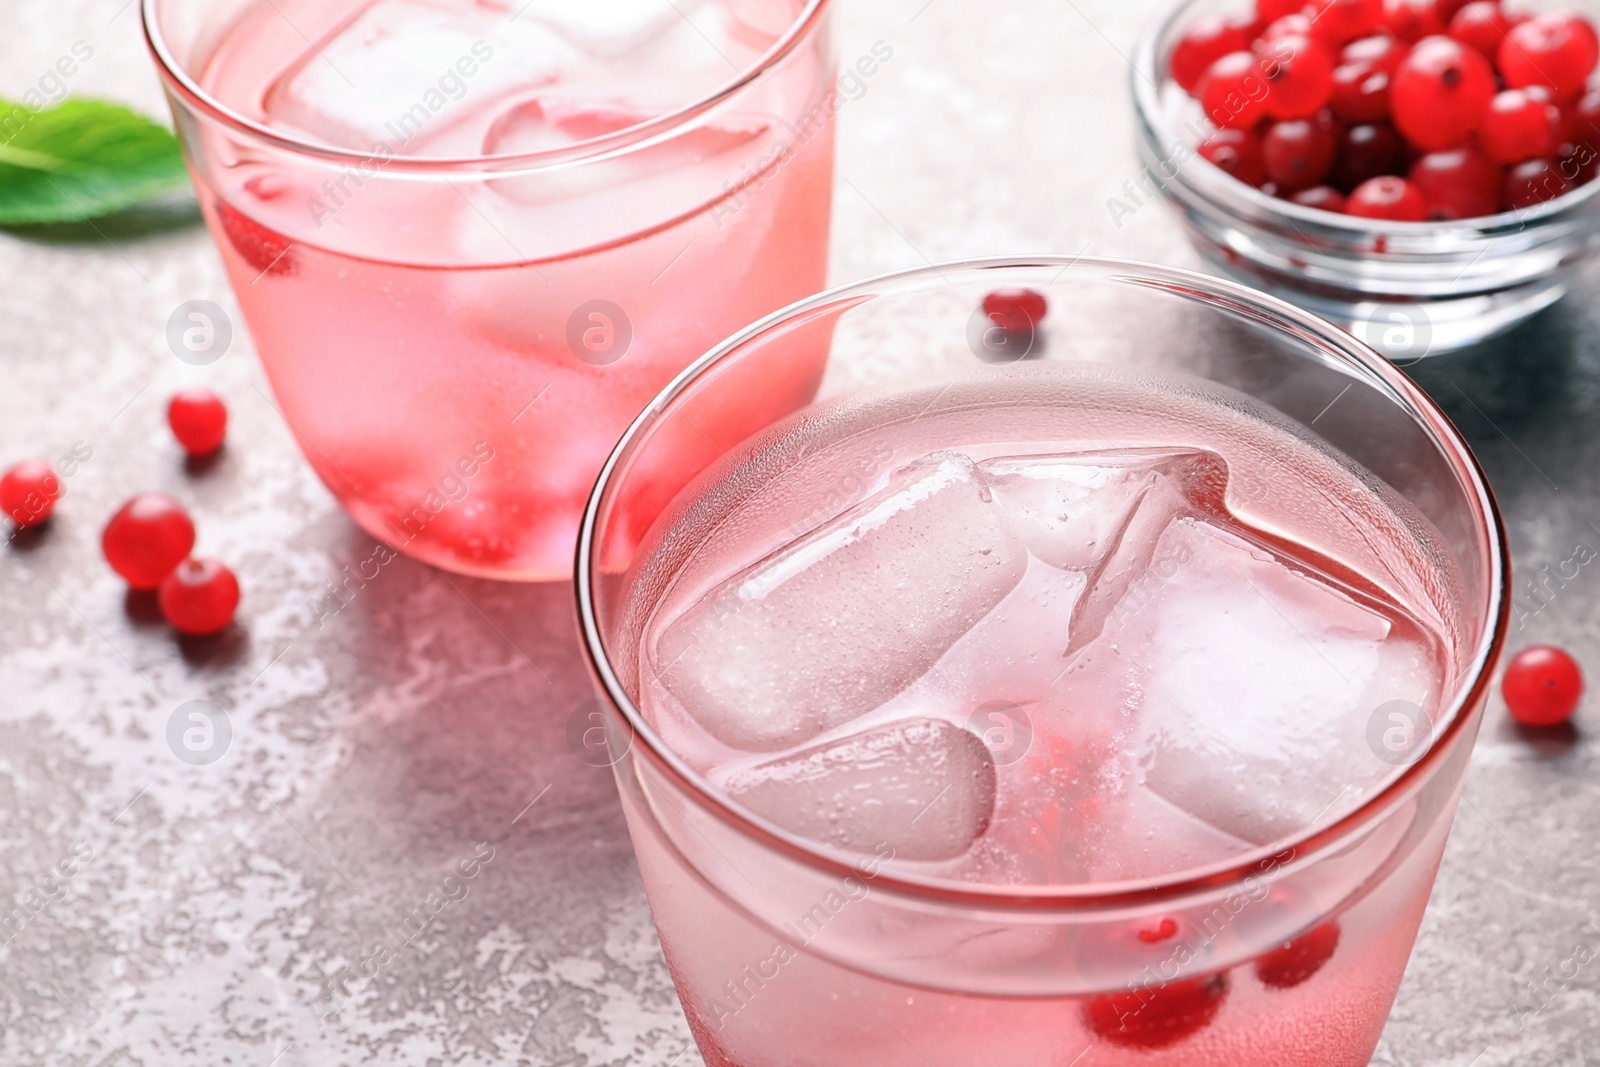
x: 1534, y: 182
x: 1238, y: 152
x: 1360, y: 93
x: 199, y: 421
x: 1366, y: 151
x: 1324, y: 197
x: 199, y: 597
x: 1482, y: 24
x: 1459, y: 183
x: 1520, y: 124
x: 1439, y: 93
x: 1298, y: 153
x: 1294, y: 962
x: 1412, y: 20
x: 1205, y: 42
x: 1157, y: 1016
x: 147, y: 539
x: 1387, y: 197
x: 29, y: 491
x: 1015, y: 310
x: 1542, y: 686
x: 1556, y: 51
x: 1231, y: 92
x: 1299, y: 73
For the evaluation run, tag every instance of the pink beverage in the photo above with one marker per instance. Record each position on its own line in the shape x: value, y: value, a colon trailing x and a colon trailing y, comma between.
x: 1061, y: 629
x: 471, y: 238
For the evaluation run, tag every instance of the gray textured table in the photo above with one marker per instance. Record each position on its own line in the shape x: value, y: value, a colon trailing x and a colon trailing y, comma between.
x: 212, y: 908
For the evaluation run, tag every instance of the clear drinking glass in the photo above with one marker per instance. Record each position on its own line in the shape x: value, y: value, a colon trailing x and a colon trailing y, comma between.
x: 786, y: 951
x: 472, y: 238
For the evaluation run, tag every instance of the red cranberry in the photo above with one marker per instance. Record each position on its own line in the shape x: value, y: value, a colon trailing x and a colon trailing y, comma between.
x: 1206, y: 41
x: 1294, y: 962
x: 1582, y: 120
x: 147, y: 539
x: 1482, y: 24
x: 199, y: 597
x: 1555, y: 51
x: 199, y: 420
x: 1015, y: 310
x: 1299, y: 77
x: 1367, y: 151
x: 29, y: 491
x: 1458, y: 183
x: 1412, y: 20
x: 1534, y: 182
x: 1322, y: 197
x: 1520, y: 124
x: 1338, y: 22
x: 1440, y: 92
x: 1237, y: 152
x: 1157, y: 1016
x: 1381, y: 51
x: 1542, y: 686
x: 1297, y: 24
x: 1389, y: 198
x: 1360, y: 93
x: 1233, y: 92
x: 1298, y: 153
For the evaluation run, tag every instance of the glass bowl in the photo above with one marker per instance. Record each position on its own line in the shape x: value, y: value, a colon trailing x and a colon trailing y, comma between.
x: 1409, y: 289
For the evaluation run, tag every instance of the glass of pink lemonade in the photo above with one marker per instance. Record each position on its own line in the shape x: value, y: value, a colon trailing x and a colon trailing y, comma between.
x: 471, y: 238
x: 1086, y: 677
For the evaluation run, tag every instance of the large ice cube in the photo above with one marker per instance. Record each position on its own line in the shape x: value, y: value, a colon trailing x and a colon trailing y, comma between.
x: 925, y: 787
x: 404, y: 72
x: 1262, y: 680
x: 843, y: 619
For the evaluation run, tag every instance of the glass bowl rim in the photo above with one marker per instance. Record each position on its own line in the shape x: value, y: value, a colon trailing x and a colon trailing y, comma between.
x: 1146, y: 80
x: 1328, y: 340
x: 802, y: 28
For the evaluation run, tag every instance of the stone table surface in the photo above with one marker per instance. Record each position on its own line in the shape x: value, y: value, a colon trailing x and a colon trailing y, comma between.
x: 373, y: 750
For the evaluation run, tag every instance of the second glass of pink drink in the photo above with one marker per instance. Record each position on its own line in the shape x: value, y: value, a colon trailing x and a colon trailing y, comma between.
x: 1094, y: 690
x: 471, y: 238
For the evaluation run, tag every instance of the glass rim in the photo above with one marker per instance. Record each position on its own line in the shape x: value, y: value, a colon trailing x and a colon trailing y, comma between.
x: 178, y: 78
x: 1330, y: 341
x: 1146, y: 80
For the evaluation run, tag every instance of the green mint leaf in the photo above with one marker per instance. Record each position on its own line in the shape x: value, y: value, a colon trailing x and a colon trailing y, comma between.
x: 81, y: 159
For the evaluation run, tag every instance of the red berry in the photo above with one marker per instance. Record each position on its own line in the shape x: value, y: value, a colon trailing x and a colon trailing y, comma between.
x: 1412, y: 20
x: 1203, y: 43
x: 1323, y: 197
x: 1360, y: 93
x: 1381, y: 51
x: 199, y: 420
x: 1582, y: 120
x: 1015, y: 310
x: 1482, y: 24
x: 264, y: 250
x: 1534, y: 182
x: 1389, y: 198
x: 1157, y: 1016
x: 199, y: 597
x: 1338, y: 22
x: 1293, y: 962
x: 1299, y: 74
x: 1459, y: 183
x: 1555, y: 51
x: 1542, y: 685
x: 1520, y: 124
x: 1297, y: 24
x: 149, y: 537
x: 1233, y: 91
x: 1369, y: 150
x: 1298, y: 153
x: 1238, y: 152
x: 1440, y: 92
x: 29, y: 491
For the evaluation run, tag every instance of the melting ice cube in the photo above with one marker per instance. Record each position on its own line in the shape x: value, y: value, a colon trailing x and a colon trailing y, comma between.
x: 841, y: 620
x: 924, y: 787
x: 1262, y: 679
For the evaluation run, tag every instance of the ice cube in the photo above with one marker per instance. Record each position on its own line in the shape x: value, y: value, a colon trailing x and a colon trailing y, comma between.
x: 606, y: 28
x: 1262, y: 679
x: 836, y: 623
x: 404, y: 72
x: 925, y: 787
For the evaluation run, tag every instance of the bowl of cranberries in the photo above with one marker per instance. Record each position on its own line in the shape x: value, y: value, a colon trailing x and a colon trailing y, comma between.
x: 1419, y: 171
